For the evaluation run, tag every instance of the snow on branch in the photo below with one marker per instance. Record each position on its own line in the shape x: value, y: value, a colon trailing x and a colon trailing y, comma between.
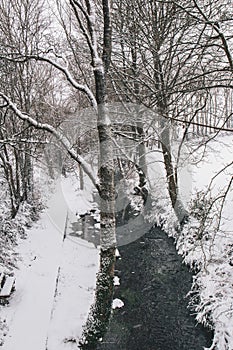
x: 81, y: 87
x: 90, y: 31
x: 57, y: 134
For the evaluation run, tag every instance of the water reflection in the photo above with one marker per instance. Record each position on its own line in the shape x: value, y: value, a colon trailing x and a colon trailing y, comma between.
x: 128, y: 229
x: 87, y: 227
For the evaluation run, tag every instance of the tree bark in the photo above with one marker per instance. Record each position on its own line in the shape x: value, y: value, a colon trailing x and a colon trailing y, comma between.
x: 100, y: 312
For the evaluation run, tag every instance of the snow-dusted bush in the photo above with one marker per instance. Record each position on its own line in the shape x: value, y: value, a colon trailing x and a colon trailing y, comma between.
x: 11, y: 230
x: 209, y: 250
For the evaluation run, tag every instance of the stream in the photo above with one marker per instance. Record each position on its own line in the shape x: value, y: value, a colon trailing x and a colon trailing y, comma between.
x: 153, y: 286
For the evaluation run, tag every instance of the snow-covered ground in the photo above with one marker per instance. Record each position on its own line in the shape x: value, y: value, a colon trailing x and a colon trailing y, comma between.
x: 211, y: 252
x: 74, y: 294
x: 55, y: 281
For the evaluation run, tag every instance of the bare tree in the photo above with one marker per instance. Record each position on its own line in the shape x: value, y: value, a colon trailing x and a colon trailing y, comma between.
x: 21, y: 30
x: 175, y: 62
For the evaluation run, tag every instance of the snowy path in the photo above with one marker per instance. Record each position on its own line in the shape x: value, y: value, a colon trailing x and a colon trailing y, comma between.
x: 28, y: 315
x: 75, y: 291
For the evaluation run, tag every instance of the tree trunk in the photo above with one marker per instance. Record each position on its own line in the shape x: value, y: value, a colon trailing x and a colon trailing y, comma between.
x: 99, y: 315
x: 142, y: 148
x: 171, y: 172
x: 100, y: 312
x: 81, y: 178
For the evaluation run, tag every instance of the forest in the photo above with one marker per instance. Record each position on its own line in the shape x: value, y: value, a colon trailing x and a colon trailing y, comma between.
x: 132, y: 99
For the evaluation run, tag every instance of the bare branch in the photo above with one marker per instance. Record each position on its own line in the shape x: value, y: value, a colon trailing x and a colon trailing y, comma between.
x: 80, y: 87
x: 59, y: 136
x: 220, y: 33
x: 188, y: 122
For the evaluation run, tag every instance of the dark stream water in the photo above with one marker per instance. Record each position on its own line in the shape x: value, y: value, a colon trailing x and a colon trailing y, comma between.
x: 153, y: 287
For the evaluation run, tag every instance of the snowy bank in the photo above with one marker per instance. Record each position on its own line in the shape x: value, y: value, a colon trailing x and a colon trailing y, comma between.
x: 55, y: 281
x: 206, y: 245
